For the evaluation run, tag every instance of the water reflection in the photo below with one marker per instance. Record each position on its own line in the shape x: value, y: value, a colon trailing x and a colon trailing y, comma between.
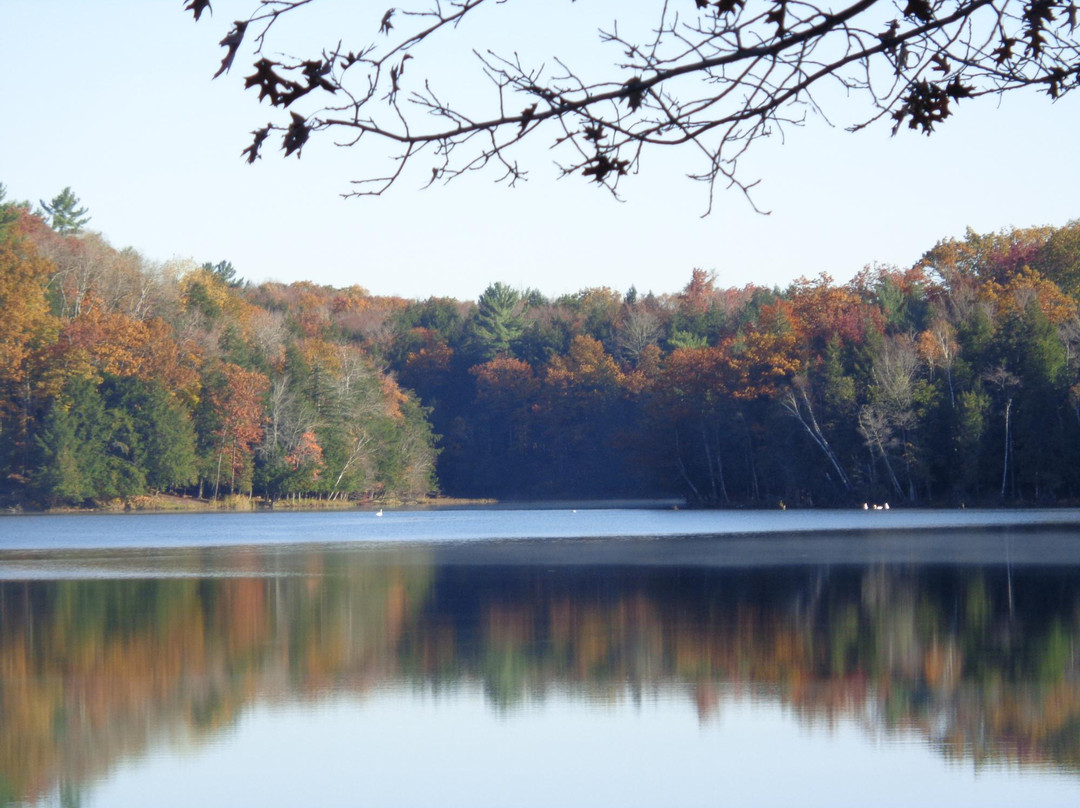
x: 980, y: 664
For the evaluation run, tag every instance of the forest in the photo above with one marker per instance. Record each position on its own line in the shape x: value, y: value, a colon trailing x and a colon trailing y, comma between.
x: 955, y: 381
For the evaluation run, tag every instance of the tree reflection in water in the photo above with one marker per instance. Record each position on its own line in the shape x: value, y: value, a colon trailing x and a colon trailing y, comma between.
x: 94, y: 671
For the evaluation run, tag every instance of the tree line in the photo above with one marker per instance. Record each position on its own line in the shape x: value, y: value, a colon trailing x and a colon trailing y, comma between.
x: 120, y: 377
x: 953, y: 381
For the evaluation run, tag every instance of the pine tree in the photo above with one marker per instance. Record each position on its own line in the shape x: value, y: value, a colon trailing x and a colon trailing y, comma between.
x: 498, y: 323
x: 59, y: 477
x: 73, y: 445
x: 65, y: 215
x: 89, y: 450
x: 162, y: 445
x: 226, y: 272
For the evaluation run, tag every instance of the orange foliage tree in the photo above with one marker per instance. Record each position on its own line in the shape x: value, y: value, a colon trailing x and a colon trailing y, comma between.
x: 26, y: 323
x: 238, y: 404
x: 26, y: 329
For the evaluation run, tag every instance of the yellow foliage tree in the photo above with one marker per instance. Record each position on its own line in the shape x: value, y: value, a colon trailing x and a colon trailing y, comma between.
x: 26, y: 322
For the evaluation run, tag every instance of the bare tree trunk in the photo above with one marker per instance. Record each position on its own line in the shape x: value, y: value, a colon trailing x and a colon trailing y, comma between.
x: 792, y: 404
x: 682, y: 468
x: 716, y: 470
x: 908, y: 463
x: 217, y: 477
x: 899, y: 489
x: 751, y: 466
x: 872, y: 425
x: 1008, y: 436
x: 709, y: 464
x: 362, y: 440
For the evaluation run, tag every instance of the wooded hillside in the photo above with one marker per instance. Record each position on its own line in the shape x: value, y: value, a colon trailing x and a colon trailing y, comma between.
x: 120, y: 377
x: 953, y: 381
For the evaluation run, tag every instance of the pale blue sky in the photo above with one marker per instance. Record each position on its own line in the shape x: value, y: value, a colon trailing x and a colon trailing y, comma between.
x: 114, y: 98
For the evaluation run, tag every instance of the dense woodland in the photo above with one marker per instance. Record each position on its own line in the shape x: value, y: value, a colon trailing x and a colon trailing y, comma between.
x: 954, y: 381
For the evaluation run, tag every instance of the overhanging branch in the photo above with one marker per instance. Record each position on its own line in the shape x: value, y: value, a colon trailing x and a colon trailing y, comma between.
x: 716, y: 76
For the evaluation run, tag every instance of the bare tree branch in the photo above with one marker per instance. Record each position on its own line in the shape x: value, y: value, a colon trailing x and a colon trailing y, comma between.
x: 715, y: 76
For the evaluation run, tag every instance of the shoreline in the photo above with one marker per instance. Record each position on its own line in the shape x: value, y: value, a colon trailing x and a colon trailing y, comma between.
x: 170, y: 503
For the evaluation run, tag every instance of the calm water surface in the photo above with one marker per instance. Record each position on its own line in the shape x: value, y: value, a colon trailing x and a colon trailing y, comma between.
x: 519, y: 658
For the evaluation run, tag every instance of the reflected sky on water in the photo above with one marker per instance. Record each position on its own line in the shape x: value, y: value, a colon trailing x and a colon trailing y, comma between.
x: 648, y: 671
x: 452, y: 750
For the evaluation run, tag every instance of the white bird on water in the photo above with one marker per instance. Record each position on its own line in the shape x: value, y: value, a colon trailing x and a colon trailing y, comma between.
x: 378, y: 512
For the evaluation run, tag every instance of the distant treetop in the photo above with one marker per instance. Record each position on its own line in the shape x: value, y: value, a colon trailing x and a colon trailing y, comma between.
x: 64, y: 213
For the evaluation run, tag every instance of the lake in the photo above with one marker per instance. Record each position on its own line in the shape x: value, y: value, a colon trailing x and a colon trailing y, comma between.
x: 541, y: 658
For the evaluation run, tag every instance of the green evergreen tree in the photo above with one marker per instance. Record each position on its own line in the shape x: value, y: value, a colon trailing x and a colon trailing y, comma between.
x: 1041, y: 405
x: 95, y: 446
x: 65, y: 215
x: 163, y: 443
x: 225, y: 271
x: 60, y: 476
x: 123, y: 476
x: 73, y: 444
x: 272, y: 474
x: 498, y: 323
x: 686, y: 340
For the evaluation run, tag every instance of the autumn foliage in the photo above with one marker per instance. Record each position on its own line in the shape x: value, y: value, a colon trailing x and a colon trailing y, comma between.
x: 119, y: 378
x: 954, y: 380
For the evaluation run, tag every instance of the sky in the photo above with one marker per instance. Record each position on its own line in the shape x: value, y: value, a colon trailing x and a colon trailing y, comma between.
x: 115, y: 100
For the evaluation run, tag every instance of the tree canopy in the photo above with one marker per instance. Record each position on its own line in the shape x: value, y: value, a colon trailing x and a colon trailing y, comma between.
x: 956, y: 379
x: 711, y: 76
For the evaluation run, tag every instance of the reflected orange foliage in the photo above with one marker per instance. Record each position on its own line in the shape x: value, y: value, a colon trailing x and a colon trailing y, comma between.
x: 211, y: 647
